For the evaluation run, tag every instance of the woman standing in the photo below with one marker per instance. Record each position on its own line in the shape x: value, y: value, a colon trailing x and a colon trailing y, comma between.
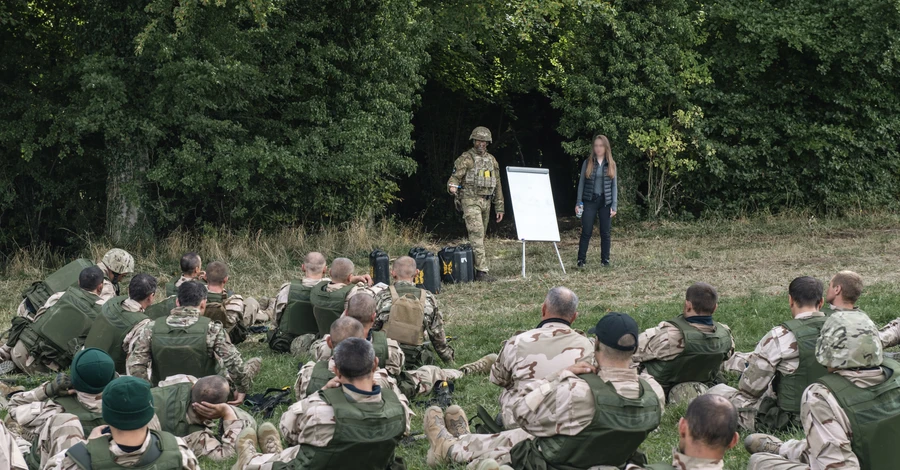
x: 598, y: 193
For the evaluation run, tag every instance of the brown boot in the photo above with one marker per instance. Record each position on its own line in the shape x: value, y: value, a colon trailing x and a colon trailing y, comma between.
x: 456, y: 421
x: 482, y: 365
x: 441, y: 440
x: 269, y: 439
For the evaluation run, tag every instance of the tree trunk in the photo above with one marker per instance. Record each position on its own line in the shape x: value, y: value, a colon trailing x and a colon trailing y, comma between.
x: 125, y: 182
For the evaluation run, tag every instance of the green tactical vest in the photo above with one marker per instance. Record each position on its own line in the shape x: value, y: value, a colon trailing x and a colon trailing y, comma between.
x: 171, y: 403
x: 171, y: 289
x: 110, y: 328
x: 60, y: 332
x: 874, y: 415
x: 365, y: 435
x: 161, y: 309
x: 702, y: 356
x: 331, y: 301
x: 298, y: 318
x: 89, y: 419
x: 619, y: 427
x: 37, y: 294
x: 789, y: 388
x: 380, y: 345
x: 177, y: 350
x: 320, y: 376
x: 162, y: 454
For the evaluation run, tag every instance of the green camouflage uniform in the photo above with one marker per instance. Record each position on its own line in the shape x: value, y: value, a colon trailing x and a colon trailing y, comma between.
x: 433, y: 323
x: 475, y: 195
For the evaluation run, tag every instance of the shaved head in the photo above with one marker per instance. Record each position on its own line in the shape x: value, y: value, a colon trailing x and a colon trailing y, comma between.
x: 212, y: 389
x: 216, y: 272
x: 341, y: 270
x: 405, y: 268
x: 346, y: 327
x: 314, y: 262
x: 361, y: 307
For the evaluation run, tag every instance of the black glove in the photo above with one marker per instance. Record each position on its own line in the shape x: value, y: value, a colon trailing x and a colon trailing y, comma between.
x: 58, y: 386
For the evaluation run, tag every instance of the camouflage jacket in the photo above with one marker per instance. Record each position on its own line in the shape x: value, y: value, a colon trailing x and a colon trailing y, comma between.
x: 31, y: 410
x: 890, y: 334
x: 126, y: 459
x: 684, y: 462
x: 234, y: 310
x: 217, y: 343
x: 396, y: 358
x: 463, y: 165
x: 10, y: 455
x: 433, y: 323
x: 666, y: 342
x: 301, y: 386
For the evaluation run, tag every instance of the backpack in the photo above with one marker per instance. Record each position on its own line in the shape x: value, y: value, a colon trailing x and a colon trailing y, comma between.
x: 404, y: 324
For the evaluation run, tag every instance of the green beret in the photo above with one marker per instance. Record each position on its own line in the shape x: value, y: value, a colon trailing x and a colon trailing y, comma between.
x: 127, y: 403
x: 92, y: 369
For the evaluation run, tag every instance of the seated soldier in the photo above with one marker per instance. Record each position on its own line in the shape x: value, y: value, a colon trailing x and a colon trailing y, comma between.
x: 586, y: 398
x: 121, y: 318
x: 784, y: 358
x: 191, y: 270
x: 226, y: 307
x: 56, y: 335
x: 291, y: 308
x: 185, y: 342
x: 843, y: 291
x: 684, y: 354
x: 126, y: 440
x: 10, y: 455
x: 333, y: 428
x: 46, y: 415
x: 533, y: 355
x: 332, y: 295
x: 196, y: 410
x: 851, y: 414
x: 411, y: 316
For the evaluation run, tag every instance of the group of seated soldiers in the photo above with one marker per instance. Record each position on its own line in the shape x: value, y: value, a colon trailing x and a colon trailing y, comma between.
x: 158, y: 384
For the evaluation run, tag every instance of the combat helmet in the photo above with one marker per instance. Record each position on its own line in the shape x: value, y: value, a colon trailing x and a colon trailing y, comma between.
x: 481, y: 133
x: 849, y: 340
x: 119, y: 261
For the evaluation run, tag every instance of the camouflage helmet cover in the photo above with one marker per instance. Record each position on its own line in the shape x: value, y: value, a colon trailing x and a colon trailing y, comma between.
x: 481, y: 133
x: 119, y: 261
x: 849, y: 340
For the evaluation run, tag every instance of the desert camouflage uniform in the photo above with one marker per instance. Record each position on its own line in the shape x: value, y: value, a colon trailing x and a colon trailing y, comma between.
x: 310, y: 422
x: 476, y: 202
x: 535, y: 354
x: 890, y: 334
x: 207, y: 443
x: 827, y: 429
x: 10, y: 454
x: 776, y: 352
x: 433, y: 320
x: 666, y: 342
x: 217, y: 344
x: 181, y: 280
x: 301, y: 386
x: 561, y: 404
x: 126, y: 459
x: 396, y: 358
x: 684, y: 462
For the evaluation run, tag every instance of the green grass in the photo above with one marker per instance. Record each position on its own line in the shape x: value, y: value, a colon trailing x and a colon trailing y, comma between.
x: 750, y: 261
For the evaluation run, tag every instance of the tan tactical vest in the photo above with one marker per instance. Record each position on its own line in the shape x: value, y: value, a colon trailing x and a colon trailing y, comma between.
x: 481, y: 178
x: 405, y: 323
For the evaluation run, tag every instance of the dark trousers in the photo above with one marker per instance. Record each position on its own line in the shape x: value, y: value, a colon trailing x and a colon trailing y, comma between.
x: 592, y: 210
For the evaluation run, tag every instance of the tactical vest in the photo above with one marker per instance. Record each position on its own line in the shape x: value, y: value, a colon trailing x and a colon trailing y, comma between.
x: 161, y: 309
x: 320, y: 376
x: 365, y: 435
x: 874, y: 415
x: 619, y: 427
x: 215, y: 308
x: 481, y: 179
x: 331, y: 301
x: 110, y: 328
x: 162, y: 453
x: 171, y: 403
x: 789, y: 388
x: 89, y: 419
x: 702, y: 356
x: 60, y: 332
x: 178, y: 350
x: 171, y: 289
x: 37, y: 294
x: 405, y: 322
x: 298, y: 318
x: 380, y: 345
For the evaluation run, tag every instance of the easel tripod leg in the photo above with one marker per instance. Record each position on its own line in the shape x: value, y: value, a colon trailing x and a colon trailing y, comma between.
x: 561, y: 265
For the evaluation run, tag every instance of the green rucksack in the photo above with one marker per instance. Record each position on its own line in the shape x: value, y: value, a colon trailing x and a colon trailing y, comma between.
x: 60, y: 332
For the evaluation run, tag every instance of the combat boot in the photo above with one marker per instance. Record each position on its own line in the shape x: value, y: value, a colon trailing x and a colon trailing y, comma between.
x: 269, y: 439
x: 482, y: 365
x: 483, y: 276
x: 491, y: 464
x: 246, y: 447
x: 7, y: 367
x: 456, y: 421
x: 441, y: 440
x: 758, y: 442
x: 252, y: 366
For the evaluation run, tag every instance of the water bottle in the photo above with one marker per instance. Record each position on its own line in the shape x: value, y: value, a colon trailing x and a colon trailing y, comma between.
x: 579, y: 210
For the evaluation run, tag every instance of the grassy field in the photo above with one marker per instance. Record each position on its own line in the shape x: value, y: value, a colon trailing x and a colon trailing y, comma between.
x: 749, y: 261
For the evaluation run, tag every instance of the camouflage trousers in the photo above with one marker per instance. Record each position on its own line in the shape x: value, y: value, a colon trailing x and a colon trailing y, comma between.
x: 59, y: 433
x: 11, y: 449
x: 747, y: 406
x: 253, y: 315
x: 256, y: 461
x: 25, y: 362
x: 477, y: 212
x: 424, y: 377
x: 471, y: 448
x: 766, y: 461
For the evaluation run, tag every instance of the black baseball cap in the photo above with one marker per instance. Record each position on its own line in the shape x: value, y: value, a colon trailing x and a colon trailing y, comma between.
x: 614, y: 326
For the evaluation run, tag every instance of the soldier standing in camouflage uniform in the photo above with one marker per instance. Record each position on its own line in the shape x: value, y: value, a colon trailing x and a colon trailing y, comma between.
x: 476, y: 181
x: 785, y: 353
x: 685, y: 354
x: 564, y: 418
x: 215, y: 349
x: 843, y: 291
x: 314, y: 427
x: 533, y: 355
x: 404, y: 272
x: 127, y: 440
x: 850, y: 414
x: 48, y: 415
